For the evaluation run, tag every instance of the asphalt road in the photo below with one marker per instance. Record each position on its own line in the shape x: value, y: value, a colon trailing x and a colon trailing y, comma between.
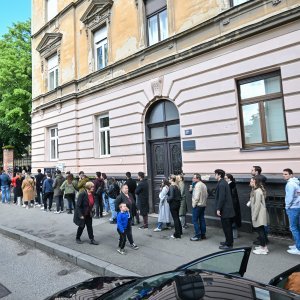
x: 29, y: 273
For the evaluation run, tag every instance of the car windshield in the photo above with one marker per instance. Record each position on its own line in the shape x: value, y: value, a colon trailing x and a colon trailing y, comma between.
x: 187, y: 284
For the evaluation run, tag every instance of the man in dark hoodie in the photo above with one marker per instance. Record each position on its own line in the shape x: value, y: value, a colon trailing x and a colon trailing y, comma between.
x: 98, y: 190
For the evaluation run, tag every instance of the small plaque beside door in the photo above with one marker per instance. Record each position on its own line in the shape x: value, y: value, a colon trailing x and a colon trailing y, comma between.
x: 189, y: 145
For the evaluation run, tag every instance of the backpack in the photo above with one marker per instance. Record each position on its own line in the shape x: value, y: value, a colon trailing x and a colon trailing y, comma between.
x: 113, y: 191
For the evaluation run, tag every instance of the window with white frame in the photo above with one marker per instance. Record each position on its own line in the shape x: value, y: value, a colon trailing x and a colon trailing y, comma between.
x: 104, y: 135
x: 237, y: 2
x: 51, y: 9
x: 157, y: 20
x: 53, y: 133
x: 100, y: 48
x: 52, y: 72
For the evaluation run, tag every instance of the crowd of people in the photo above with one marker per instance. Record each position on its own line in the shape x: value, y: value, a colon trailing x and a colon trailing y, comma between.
x: 125, y: 202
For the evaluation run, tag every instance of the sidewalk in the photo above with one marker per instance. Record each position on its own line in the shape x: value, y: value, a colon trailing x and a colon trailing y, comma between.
x: 55, y: 233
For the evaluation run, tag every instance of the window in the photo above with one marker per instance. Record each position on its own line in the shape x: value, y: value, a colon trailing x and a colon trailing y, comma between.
x: 157, y: 20
x: 53, y: 132
x: 104, y: 135
x: 52, y: 72
x: 100, y: 48
x: 51, y: 7
x: 163, y: 121
x: 237, y: 2
x: 261, y: 105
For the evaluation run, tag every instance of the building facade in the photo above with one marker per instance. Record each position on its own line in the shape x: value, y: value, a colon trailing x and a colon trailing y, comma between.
x: 166, y: 86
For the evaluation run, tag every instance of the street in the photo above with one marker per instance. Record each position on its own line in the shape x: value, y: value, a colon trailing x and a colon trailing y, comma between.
x: 29, y: 273
x: 157, y: 252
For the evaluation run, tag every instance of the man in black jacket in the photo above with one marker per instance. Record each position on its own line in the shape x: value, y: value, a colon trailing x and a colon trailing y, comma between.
x: 143, y: 199
x: 224, y: 208
x: 98, y: 190
x: 131, y: 187
x: 38, y: 184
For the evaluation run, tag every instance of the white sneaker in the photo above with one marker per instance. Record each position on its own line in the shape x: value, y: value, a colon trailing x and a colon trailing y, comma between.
x: 157, y: 230
x: 261, y: 251
x: 294, y: 251
x: 259, y: 247
x: 27, y: 207
x: 23, y: 205
x: 42, y: 208
x: 61, y: 211
x: 292, y: 247
x: 57, y: 212
x: 38, y: 205
x: 105, y: 213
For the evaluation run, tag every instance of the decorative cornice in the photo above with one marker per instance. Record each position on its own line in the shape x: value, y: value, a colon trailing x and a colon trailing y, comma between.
x: 95, y: 11
x: 48, y: 42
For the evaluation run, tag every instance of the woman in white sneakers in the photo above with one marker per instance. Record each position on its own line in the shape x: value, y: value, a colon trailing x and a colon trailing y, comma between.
x: 259, y: 213
x: 164, y: 214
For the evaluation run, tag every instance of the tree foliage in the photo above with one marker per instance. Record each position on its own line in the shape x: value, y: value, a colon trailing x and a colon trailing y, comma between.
x: 15, y: 87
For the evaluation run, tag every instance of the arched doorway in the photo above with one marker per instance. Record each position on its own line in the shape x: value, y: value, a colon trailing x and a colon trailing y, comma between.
x: 164, y: 149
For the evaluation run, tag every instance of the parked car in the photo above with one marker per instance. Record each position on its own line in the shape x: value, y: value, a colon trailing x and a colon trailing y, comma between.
x: 215, y: 276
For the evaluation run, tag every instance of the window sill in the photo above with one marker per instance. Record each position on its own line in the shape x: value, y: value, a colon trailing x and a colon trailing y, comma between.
x: 104, y: 156
x: 265, y: 148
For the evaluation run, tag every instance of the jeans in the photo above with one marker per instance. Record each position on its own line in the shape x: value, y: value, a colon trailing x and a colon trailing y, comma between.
x: 46, y: 197
x: 59, y: 200
x: 71, y: 201
x: 160, y: 225
x: 105, y: 202
x: 294, y: 219
x: 199, y: 220
x: 112, y: 208
x: 5, y: 193
x: 38, y: 195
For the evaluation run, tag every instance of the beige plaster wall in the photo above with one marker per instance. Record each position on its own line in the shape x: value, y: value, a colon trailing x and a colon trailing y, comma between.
x: 124, y: 32
x: 187, y: 14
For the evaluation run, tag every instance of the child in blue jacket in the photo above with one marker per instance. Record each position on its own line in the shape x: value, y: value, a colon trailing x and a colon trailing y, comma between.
x: 122, y: 221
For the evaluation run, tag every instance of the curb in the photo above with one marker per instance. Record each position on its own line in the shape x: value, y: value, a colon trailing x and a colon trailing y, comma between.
x: 80, y: 259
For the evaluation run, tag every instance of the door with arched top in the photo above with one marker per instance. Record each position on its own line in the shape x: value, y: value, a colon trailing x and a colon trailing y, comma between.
x: 163, y: 135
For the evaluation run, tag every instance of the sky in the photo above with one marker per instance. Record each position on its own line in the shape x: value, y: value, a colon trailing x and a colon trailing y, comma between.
x: 13, y: 11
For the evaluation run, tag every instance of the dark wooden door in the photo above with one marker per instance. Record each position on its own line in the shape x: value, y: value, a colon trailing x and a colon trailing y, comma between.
x: 166, y: 160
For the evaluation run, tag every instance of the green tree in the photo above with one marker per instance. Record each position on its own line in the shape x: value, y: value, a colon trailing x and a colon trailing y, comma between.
x: 15, y: 87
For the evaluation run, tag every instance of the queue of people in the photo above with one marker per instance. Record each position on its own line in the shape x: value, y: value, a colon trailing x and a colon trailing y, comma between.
x: 127, y: 203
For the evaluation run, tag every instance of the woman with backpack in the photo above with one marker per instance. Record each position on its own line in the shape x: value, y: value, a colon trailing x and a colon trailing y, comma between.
x: 69, y: 188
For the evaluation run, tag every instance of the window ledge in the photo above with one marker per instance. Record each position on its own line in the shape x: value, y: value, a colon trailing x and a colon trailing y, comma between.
x: 266, y: 148
x: 105, y: 156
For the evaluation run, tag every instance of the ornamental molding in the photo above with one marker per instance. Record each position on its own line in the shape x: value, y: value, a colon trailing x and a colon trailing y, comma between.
x: 96, y: 13
x: 157, y: 86
x: 50, y: 42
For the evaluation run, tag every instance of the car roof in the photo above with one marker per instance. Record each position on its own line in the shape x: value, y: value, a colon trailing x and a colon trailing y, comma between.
x: 185, y: 284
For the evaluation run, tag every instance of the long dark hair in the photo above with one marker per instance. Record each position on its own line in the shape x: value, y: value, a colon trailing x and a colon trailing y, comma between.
x: 165, y: 182
x: 230, y: 177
